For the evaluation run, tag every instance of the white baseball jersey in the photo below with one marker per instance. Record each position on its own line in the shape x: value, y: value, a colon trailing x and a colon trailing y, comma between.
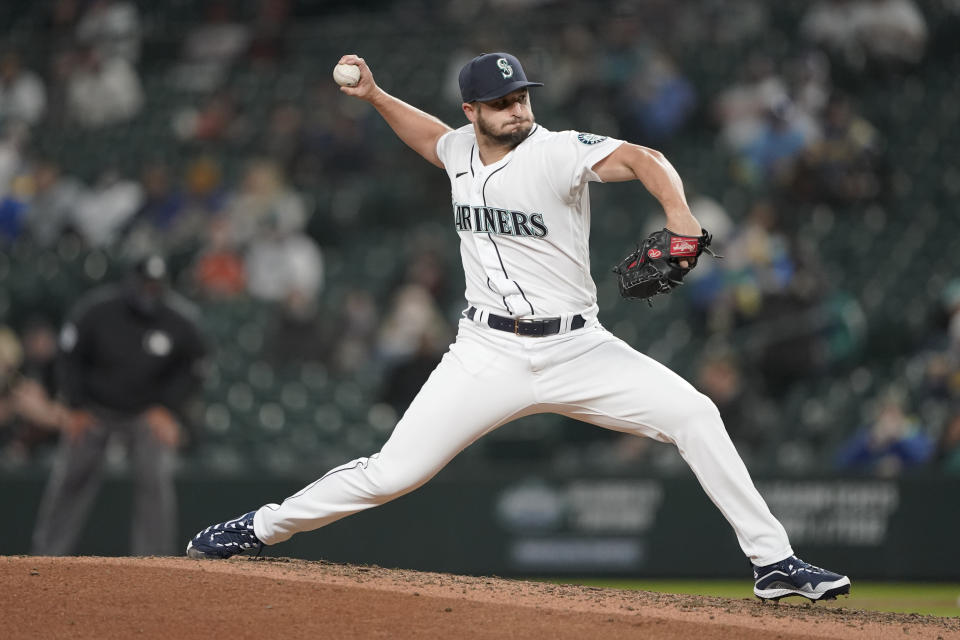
x: 524, y: 221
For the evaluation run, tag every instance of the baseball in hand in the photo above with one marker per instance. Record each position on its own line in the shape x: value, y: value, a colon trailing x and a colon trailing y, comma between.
x: 346, y: 75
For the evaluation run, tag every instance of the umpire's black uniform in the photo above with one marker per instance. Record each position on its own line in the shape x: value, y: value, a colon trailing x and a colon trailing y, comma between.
x: 124, y: 350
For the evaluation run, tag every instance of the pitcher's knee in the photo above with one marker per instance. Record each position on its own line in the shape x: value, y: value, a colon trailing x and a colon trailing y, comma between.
x: 700, y: 413
x: 395, y: 480
x: 710, y: 410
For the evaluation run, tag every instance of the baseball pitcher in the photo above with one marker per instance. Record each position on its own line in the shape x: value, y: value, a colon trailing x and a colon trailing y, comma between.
x: 530, y: 340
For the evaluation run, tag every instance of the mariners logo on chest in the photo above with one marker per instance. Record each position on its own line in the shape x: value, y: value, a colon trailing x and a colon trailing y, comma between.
x: 503, y: 222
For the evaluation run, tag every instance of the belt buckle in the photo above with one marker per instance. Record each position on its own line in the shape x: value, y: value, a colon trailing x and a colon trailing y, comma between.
x: 516, y: 326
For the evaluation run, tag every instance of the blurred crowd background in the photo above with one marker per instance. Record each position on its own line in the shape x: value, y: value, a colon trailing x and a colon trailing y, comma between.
x: 817, y: 141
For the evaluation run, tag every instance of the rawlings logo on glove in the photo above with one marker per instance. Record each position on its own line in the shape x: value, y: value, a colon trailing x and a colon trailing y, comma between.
x: 655, y: 267
x: 684, y: 246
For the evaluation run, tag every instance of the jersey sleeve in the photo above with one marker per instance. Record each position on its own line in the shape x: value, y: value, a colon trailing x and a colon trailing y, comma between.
x: 572, y: 155
x: 443, y: 146
x: 448, y: 144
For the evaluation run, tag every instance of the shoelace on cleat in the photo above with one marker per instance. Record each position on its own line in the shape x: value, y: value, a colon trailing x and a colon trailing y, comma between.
x: 804, y: 566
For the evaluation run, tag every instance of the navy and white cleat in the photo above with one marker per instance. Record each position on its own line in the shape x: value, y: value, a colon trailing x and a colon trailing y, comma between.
x: 794, y: 577
x: 226, y: 539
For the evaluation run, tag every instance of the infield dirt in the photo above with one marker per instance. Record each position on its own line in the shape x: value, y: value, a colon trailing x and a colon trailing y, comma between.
x: 172, y: 598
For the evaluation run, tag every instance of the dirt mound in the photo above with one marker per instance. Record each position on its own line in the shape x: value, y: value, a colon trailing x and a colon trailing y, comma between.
x: 241, y: 598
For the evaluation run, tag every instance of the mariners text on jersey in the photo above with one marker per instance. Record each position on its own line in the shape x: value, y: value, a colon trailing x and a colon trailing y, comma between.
x: 500, y: 221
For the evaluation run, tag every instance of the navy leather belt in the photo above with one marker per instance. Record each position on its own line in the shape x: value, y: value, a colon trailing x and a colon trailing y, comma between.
x: 520, y: 327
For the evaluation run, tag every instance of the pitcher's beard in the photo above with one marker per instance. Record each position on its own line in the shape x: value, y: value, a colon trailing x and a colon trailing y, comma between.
x: 510, y: 139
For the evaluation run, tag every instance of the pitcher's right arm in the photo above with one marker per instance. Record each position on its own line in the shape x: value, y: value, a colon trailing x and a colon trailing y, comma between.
x: 418, y: 129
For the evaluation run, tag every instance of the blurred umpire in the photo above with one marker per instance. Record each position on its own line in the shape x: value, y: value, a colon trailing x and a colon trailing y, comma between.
x: 131, y: 358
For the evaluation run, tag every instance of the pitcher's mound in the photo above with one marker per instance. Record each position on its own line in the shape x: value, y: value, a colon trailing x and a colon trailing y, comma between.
x: 280, y: 598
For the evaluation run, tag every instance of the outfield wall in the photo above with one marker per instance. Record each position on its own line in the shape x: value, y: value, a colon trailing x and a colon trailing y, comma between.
x: 531, y: 524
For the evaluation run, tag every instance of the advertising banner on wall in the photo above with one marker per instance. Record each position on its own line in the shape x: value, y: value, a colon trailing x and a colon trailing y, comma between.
x: 528, y: 524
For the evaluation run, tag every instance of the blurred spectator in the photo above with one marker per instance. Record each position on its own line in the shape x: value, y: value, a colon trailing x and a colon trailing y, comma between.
x: 16, y: 186
x: 843, y: 166
x: 175, y: 218
x: 284, y: 134
x: 891, y: 442
x: 774, y: 297
x: 11, y: 355
x: 935, y: 371
x: 838, y: 315
x: 345, y: 152
x: 219, y: 271
x: 217, y: 120
x: 61, y: 20
x: 267, y: 45
x: 166, y: 220
x: 103, y: 211
x: 205, y: 194
x: 130, y: 364
x: 948, y: 449
x: 412, y: 339
x: 741, y: 109
x: 758, y: 262
x: 725, y: 23
x: 751, y: 420
x: 38, y: 420
x: 102, y: 91
x: 567, y: 59
x: 332, y: 141
x: 40, y: 353
x: 354, y: 331
x: 809, y: 84
x: 893, y: 31
x: 51, y: 210
x: 625, y: 49
x: 885, y: 31
x: 12, y: 142
x: 833, y: 24
x: 153, y: 226
x: 113, y: 28
x: 38, y: 416
x: 403, y: 380
x: 426, y: 268
x: 659, y: 100
x: 13, y: 207
x: 316, y: 132
x: 707, y: 282
x: 163, y: 201
x: 23, y: 97
x: 265, y: 203
x: 770, y: 156
x: 412, y: 319
x: 297, y: 332
x: 787, y: 338
x: 282, y: 263
x: 941, y: 376
x: 210, y: 48
x: 710, y: 213
x: 951, y: 304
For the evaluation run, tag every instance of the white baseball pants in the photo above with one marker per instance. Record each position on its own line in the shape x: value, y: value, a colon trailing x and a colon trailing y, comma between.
x: 490, y: 377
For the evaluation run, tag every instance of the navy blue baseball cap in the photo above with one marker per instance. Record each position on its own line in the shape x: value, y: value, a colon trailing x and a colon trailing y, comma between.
x: 492, y: 75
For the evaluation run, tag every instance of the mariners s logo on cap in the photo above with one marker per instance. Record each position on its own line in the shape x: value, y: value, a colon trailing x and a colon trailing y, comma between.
x: 505, y: 69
